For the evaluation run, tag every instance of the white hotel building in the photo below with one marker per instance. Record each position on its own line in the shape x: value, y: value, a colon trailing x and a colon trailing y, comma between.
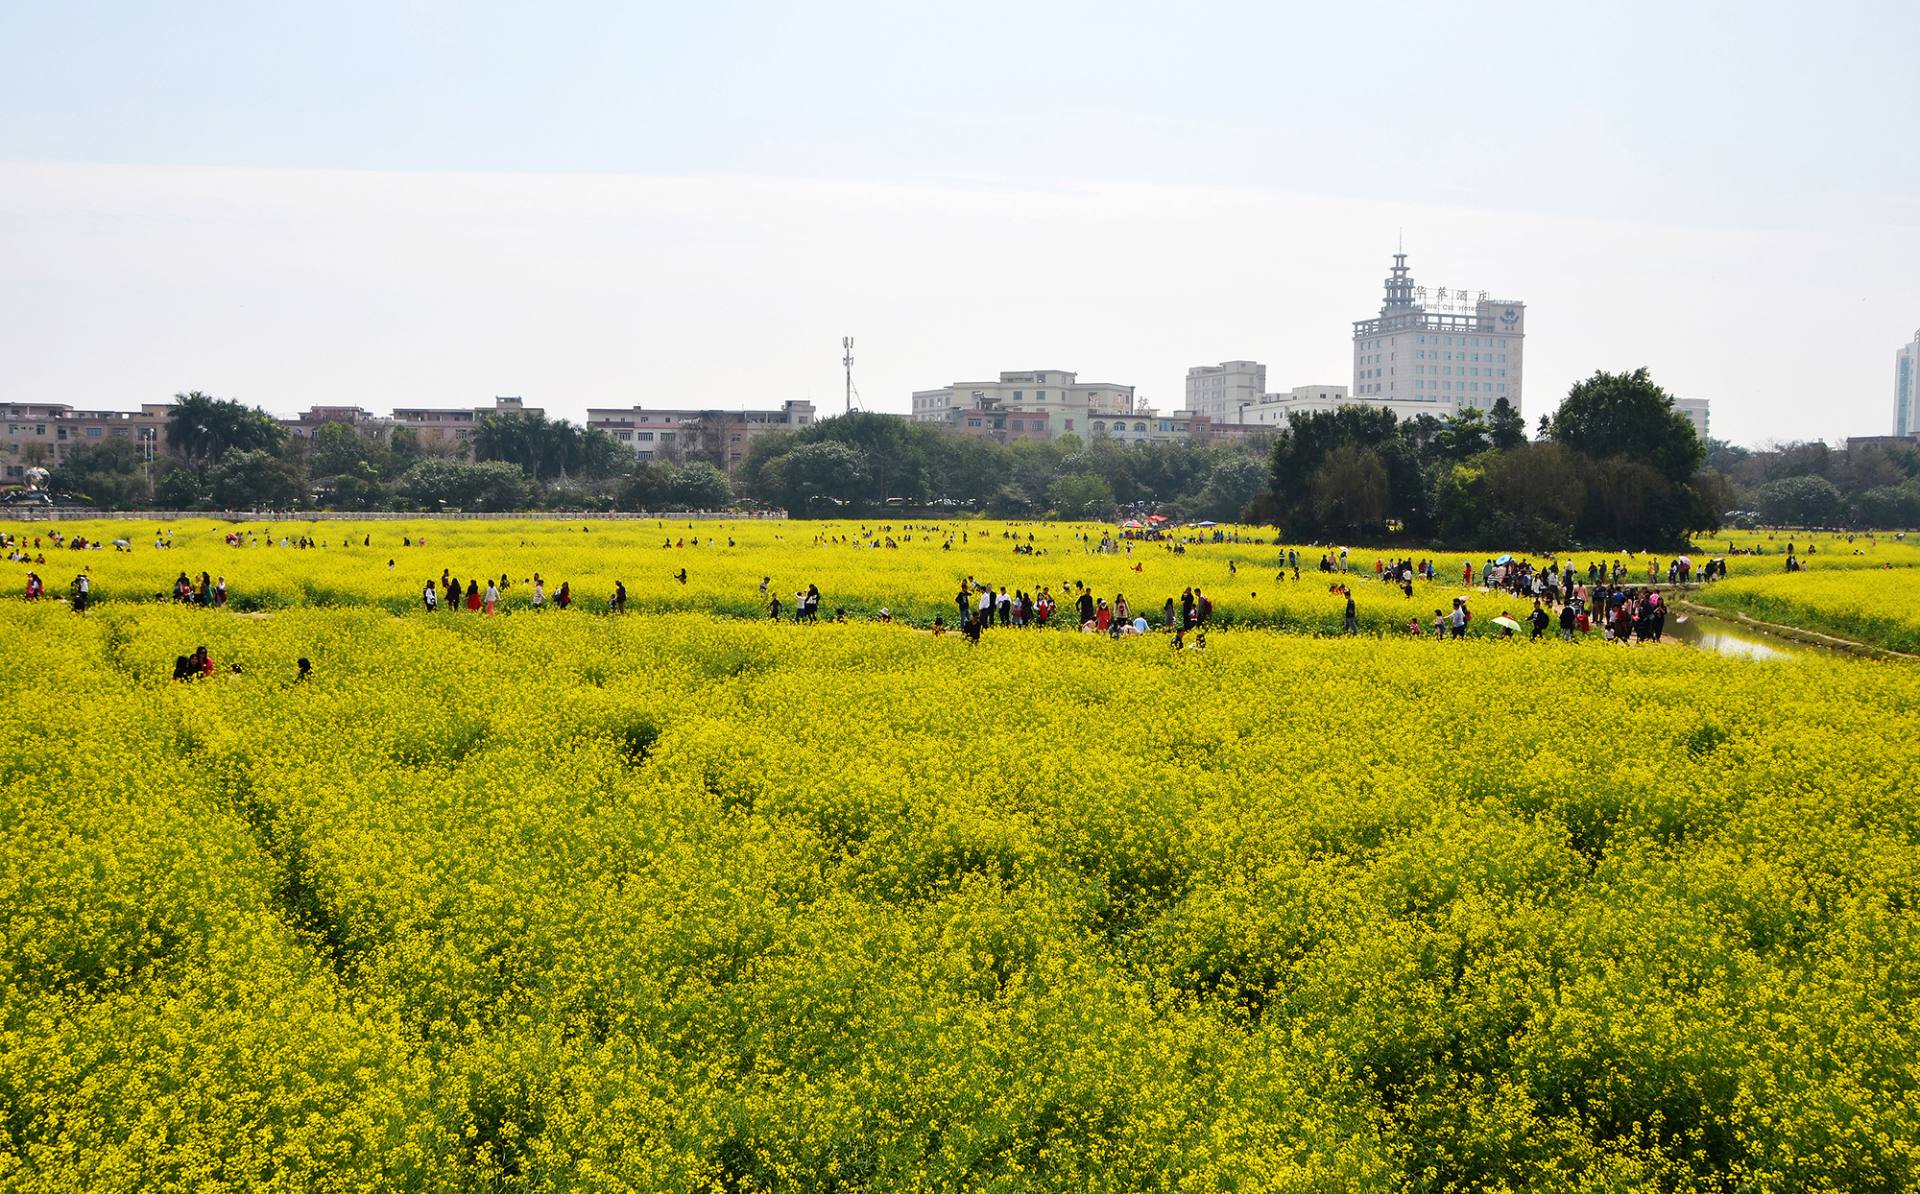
x: 1438, y: 355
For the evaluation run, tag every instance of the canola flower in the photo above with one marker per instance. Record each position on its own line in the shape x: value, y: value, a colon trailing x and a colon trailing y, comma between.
x: 1879, y: 606
x: 915, y: 579
x: 697, y: 902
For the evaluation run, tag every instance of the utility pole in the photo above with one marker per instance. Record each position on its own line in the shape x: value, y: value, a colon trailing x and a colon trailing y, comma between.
x: 846, y: 346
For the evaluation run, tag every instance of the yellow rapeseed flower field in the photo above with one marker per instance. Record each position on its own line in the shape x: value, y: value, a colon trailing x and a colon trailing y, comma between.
x: 691, y: 900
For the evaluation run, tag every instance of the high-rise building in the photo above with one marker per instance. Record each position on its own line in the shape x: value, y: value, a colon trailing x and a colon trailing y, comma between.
x: 1222, y: 391
x: 1444, y: 350
x: 1906, y: 379
x: 1696, y: 411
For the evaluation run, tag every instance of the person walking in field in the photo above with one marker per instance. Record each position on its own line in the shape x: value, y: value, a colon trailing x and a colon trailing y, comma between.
x: 539, y: 593
x: 429, y: 597
x: 473, y: 596
x: 34, y: 586
x: 1351, y: 624
x: 564, y: 597
x: 491, y: 599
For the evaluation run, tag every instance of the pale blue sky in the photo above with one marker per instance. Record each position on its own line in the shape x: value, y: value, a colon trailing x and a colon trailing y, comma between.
x: 991, y: 186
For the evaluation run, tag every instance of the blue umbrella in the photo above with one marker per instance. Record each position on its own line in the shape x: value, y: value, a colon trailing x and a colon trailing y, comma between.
x: 1504, y: 560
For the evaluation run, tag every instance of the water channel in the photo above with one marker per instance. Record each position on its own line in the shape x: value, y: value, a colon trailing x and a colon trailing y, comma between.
x: 1725, y: 638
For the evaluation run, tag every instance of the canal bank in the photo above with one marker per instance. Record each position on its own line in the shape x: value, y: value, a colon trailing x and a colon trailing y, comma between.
x: 1730, y: 632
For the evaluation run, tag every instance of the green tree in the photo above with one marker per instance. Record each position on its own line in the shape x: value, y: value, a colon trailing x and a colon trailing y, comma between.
x: 817, y: 478
x: 336, y: 448
x: 649, y: 486
x: 1888, y: 507
x: 178, y: 489
x: 1506, y: 427
x: 201, y: 429
x: 1646, y: 486
x: 1802, y: 502
x: 1627, y: 415
x: 254, y: 479
x: 1541, y: 490
x: 109, y: 474
x: 1463, y: 436
x: 1309, y: 440
x: 1081, y: 495
x: 491, y: 486
x: 1461, y: 505
x: 1350, y: 490
x: 698, y: 485
x: 1231, y: 485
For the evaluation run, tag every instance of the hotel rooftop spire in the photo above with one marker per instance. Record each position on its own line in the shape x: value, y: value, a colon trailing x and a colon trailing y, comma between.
x: 1399, y: 287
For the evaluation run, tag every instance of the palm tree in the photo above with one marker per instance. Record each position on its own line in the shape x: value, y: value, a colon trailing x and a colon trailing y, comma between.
x: 193, y: 428
x: 202, y: 428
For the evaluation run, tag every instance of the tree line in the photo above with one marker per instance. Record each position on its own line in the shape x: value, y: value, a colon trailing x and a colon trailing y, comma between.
x: 1615, y: 464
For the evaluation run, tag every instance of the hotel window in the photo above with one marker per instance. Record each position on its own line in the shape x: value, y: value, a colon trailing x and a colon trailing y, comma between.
x: 973, y: 422
x: 1039, y: 395
x: 645, y: 437
x: 1016, y: 395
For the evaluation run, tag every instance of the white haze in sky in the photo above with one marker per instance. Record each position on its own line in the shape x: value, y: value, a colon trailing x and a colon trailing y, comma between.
x: 593, y: 202
x: 291, y: 288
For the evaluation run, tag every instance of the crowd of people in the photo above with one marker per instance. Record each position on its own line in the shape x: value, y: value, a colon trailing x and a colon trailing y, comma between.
x: 205, y: 592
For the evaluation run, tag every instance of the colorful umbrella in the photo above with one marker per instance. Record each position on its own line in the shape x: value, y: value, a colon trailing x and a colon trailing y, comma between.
x: 1509, y: 623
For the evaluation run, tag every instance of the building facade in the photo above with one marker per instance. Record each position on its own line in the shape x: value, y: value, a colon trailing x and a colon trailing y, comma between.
x: 1438, y: 352
x: 1273, y: 409
x: 303, y: 425
x: 720, y: 436
x: 1906, y: 388
x: 42, y: 434
x: 1070, y: 406
x: 453, y: 429
x: 1696, y: 411
x: 1222, y: 391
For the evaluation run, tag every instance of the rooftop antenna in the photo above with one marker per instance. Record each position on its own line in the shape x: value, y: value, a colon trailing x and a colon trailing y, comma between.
x: 853, y: 396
